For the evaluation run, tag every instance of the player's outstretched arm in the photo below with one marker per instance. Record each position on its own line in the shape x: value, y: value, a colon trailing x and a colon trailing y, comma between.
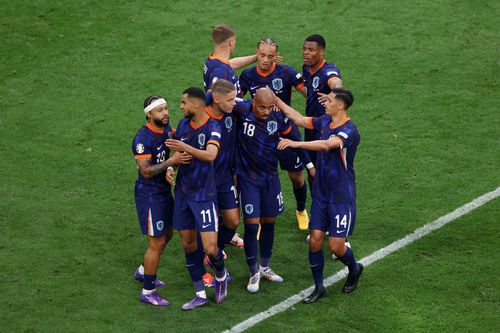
x: 292, y: 114
x: 239, y: 62
x: 207, y: 155
x: 317, y: 145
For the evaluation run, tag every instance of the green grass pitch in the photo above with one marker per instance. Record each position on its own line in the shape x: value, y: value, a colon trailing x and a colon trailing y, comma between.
x: 425, y: 75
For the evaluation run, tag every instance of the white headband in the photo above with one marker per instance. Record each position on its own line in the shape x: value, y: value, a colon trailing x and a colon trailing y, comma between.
x: 155, y: 104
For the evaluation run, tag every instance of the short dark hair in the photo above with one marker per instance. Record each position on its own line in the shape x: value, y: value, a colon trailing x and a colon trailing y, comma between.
x: 344, y: 95
x: 222, y: 32
x: 318, y: 39
x: 268, y: 41
x: 195, y: 92
x: 222, y: 87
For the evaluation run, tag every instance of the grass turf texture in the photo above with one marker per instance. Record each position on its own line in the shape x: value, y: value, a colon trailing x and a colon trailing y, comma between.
x: 425, y: 78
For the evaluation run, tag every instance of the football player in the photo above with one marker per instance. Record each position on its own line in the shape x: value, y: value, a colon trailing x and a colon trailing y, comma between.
x: 195, y: 207
x: 334, y: 190
x: 153, y: 197
x: 281, y: 79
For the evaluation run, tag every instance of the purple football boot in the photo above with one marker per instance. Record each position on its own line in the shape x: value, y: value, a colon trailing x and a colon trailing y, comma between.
x: 194, y: 303
x: 221, y: 289
x: 154, y: 299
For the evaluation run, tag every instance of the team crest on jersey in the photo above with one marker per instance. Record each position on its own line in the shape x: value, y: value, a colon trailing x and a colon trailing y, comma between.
x: 229, y: 123
x: 277, y: 84
x: 169, y: 135
x: 249, y: 208
x: 139, y: 148
x: 201, y: 139
x: 315, y: 82
x: 159, y: 225
x: 272, y: 127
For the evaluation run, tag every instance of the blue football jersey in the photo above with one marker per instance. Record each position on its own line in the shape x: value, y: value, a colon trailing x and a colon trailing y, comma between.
x: 224, y: 164
x: 335, y: 178
x: 149, y: 143
x: 257, y: 141
x: 196, y: 180
x: 280, y: 78
x: 216, y: 68
x: 317, y: 82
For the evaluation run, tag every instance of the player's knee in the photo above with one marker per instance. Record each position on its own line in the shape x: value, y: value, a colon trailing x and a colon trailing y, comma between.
x: 232, y: 223
x: 189, y: 245
x: 315, y: 244
x: 297, y: 179
x: 157, y: 244
x: 338, y: 248
x: 211, y: 250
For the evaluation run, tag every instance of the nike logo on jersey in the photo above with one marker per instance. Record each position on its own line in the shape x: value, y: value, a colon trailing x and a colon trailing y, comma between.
x: 183, y: 139
x: 205, y: 226
x: 253, y: 88
x: 158, y: 148
x: 340, y: 231
x: 298, y: 165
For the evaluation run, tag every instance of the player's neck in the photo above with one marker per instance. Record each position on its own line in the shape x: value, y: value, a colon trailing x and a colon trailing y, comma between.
x: 222, y: 52
x: 316, y: 66
x: 215, y: 110
x: 339, y: 118
x: 199, y: 118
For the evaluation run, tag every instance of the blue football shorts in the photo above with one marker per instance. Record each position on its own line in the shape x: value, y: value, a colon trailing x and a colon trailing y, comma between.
x: 337, y: 218
x: 227, y: 195
x: 261, y: 198
x: 200, y: 215
x: 155, y: 217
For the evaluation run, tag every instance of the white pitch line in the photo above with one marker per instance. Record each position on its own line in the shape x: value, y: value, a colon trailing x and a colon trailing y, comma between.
x: 375, y: 256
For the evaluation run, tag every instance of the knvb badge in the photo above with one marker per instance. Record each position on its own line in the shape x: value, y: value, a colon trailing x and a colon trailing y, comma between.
x: 201, y: 140
x: 272, y: 127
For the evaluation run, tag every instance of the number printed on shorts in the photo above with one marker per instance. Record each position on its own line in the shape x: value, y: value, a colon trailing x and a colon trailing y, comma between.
x: 279, y: 197
x: 207, y: 218
x: 248, y: 129
x: 341, y: 222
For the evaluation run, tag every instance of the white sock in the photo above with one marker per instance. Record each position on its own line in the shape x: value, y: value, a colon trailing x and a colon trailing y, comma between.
x: 147, y: 292
x: 201, y: 294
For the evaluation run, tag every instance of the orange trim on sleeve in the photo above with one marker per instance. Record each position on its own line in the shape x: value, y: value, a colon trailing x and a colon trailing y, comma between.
x: 288, y: 130
x: 310, y: 121
x: 332, y: 78
x: 213, y: 142
x: 173, y: 131
x: 299, y: 86
x: 138, y: 157
x: 212, y: 57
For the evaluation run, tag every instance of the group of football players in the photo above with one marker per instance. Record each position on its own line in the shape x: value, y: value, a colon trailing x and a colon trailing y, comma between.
x: 222, y: 160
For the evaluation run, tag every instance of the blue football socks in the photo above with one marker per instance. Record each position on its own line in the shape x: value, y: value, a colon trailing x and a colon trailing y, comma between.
x: 317, y: 263
x: 251, y: 247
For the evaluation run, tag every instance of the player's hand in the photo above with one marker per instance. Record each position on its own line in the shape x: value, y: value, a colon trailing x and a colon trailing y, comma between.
x: 180, y: 158
x: 279, y: 58
x: 170, y: 176
x: 177, y: 145
x: 323, y: 98
x: 286, y: 143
